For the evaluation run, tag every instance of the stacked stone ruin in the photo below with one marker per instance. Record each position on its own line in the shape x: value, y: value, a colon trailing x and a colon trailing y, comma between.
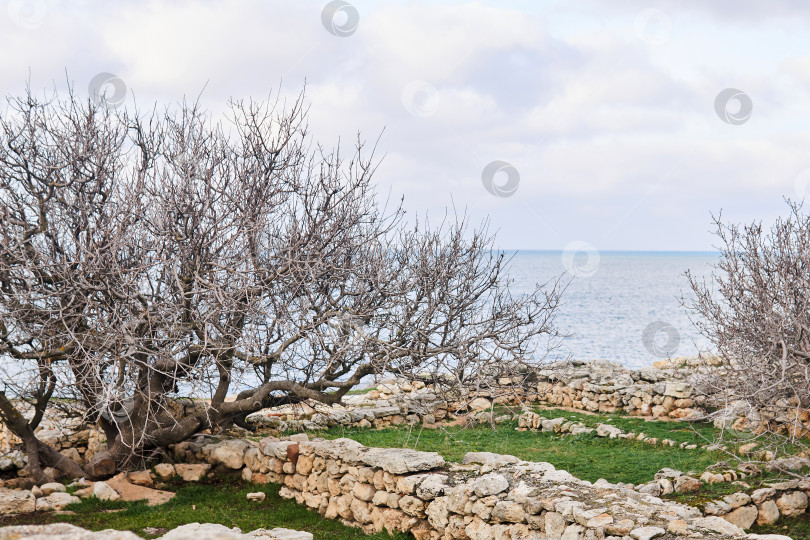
x: 486, y: 496
x: 668, y: 390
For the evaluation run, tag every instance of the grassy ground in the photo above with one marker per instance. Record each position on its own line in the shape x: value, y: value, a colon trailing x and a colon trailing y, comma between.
x: 798, y: 528
x: 586, y: 456
x: 218, y: 501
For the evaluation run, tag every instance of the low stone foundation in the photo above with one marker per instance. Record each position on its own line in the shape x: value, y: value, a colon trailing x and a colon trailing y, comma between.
x: 667, y: 390
x: 487, y: 496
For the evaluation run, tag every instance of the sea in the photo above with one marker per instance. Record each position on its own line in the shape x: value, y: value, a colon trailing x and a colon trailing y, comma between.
x: 625, y: 306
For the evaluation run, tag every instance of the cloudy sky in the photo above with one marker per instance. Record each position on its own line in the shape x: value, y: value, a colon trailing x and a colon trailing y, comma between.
x: 608, y: 120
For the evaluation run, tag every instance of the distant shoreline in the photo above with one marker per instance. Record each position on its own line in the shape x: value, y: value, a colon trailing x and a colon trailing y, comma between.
x: 617, y: 252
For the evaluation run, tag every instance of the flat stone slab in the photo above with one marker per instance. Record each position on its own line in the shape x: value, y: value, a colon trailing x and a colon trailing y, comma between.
x: 62, y: 531
x: 402, y: 460
x: 191, y: 531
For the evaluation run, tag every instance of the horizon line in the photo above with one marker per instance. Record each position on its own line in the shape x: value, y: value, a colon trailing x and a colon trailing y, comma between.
x: 695, y: 251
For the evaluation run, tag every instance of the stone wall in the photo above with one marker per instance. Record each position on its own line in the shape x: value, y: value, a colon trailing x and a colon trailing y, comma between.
x: 661, y: 391
x: 764, y: 505
x: 73, y: 440
x: 486, y: 496
x: 667, y: 390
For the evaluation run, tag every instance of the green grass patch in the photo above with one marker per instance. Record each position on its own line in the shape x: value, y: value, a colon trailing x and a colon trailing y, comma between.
x: 797, y: 527
x: 360, y: 391
x: 216, y: 501
x: 585, y: 456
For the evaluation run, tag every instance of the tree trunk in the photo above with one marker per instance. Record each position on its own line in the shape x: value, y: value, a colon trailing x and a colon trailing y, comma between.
x: 40, y: 455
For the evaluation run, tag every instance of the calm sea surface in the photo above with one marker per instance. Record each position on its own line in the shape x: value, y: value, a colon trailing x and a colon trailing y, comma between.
x: 611, y: 301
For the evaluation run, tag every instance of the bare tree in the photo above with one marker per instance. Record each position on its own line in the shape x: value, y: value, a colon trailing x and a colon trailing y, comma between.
x: 149, y: 256
x: 756, y: 311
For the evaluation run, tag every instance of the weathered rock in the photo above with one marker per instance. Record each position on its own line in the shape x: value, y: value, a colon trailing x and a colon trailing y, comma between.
x: 437, y: 512
x: 51, y: 487
x: 647, y: 533
x: 84, y: 492
x: 606, y: 430
x: 432, y: 486
x: 666, y: 472
x: 666, y: 486
x: 13, y: 501
x: 621, y: 527
x: 761, y: 494
x: 748, y: 448
x: 230, y: 453
x: 553, y: 424
x: 364, y: 492
x: 257, y: 496
x: 686, y: 484
x: 411, y: 505
x: 480, y: 404
x: 165, y: 470
x: 710, y: 478
x: 304, y: 465
x: 678, y: 390
x: 141, y: 478
x: 573, y: 532
x: 192, y: 472
x: 593, y: 519
x: 402, y: 460
x: 792, y: 504
x: 650, y: 488
x: 743, y: 517
x: 554, y: 525
x: 280, y: 533
x: 716, y: 508
x: 718, y: 525
x: 735, y: 500
x: 490, y: 484
x: 203, y: 531
x: 100, y: 467
x: 57, y: 500
x: 104, y: 492
x: 489, y: 458
x: 61, y: 531
x: 768, y: 513
x: 678, y: 527
x: 509, y: 511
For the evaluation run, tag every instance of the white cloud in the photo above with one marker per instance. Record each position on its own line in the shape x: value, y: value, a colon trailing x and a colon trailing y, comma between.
x: 608, y: 131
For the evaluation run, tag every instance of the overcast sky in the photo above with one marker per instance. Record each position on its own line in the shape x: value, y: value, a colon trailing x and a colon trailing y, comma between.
x: 605, y: 115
